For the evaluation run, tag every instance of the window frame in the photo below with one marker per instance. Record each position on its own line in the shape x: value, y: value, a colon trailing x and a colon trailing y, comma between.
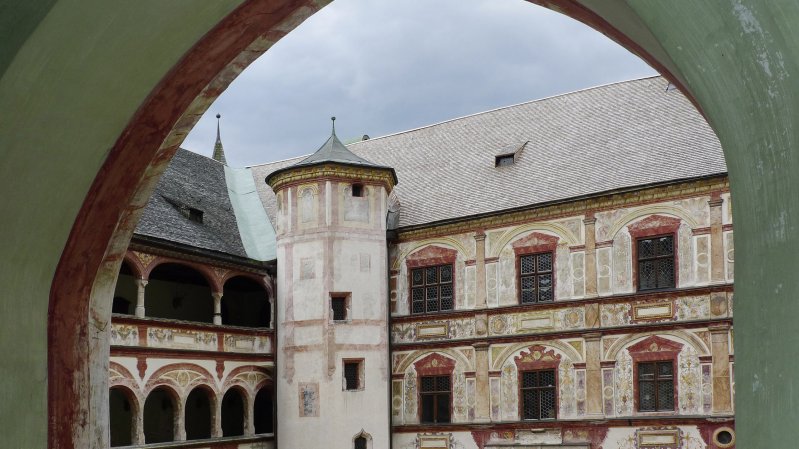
x: 655, y: 349
x: 519, y: 256
x: 554, y: 387
x: 637, y: 261
x: 361, y: 377
x: 346, y: 297
x: 425, y: 286
x: 656, y: 381
x: 436, y: 395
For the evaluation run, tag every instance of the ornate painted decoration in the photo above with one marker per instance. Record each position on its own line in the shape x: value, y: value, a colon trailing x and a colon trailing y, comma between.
x: 535, y: 242
x: 434, y: 365
x: 537, y: 357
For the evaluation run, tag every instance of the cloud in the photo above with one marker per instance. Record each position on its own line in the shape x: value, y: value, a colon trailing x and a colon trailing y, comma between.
x: 383, y: 67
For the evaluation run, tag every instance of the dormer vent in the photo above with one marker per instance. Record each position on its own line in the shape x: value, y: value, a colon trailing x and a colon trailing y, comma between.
x: 507, y: 155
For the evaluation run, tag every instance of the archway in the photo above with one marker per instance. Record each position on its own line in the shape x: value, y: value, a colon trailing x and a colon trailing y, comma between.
x: 122, y: 413
x: 159, y: 416
x: 245, y: 302
x: 198, y: 414
x: 233, y: 413
x: 179, y: 292
x: 736, y: 60
x: 264, y: 411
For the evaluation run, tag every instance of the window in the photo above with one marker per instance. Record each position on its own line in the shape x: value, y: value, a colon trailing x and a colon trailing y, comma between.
x: 504, y: 161
x: 338, y: 304
x: 357, y: 190
x: 360, y: 443
x: 435, y: 398
x: 535, y: 278
x: 538, y: 394
x: 656, y: 262
x: 353, y: 373
x: 431, y: 289
x: 656, y: 386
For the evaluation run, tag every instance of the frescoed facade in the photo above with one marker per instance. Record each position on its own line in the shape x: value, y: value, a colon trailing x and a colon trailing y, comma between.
x: 541, y: 275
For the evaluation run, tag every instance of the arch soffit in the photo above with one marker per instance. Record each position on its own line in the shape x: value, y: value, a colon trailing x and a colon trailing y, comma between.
x: 134, y: 264
x: 260, y: 280
x: 210, y: 277
x: 546, y: 228
x: 243, y: 390
x: 125, y: 379
x: 507, y: 355
x: 130, y: 394
x: 682, y: 336
x: 448, y: 242
x: 415, y: 356
x: 171, y: 391
x: 262, y: 377
x: 160, y: 378
x: 643, y: 212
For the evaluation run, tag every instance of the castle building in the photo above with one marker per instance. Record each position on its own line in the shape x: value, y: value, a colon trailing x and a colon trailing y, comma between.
x: 554, y: 274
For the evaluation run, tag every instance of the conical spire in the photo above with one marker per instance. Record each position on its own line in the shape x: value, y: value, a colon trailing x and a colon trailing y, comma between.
x: 219, y: 151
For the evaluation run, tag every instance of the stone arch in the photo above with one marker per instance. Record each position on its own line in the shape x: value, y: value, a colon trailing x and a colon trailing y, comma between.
x: 210, y: 277
x: 235, y: 407
x: 182, y: 377
x: 245, y: 301
x: 134, y: 263
x: 507, y: 355
x: 546, y: 228
x: 248, y: 377
x: 365, y: 440
x: 156, y: 416
x: 447, y: 242
x: 119, y: 376
x: 199, y: 410
x: 124, y: 433
x: 644, y: 212
x: 109, y: 210
x: 682, y: 336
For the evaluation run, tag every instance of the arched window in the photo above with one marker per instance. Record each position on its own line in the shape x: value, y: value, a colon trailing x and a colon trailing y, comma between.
x: 264, y: 411
x: 245, y: 302
x: 360, y: 442
x: 179, y: 292
x: 232, y: 413
x: 159, y: 417
x: 121, y: 415
x: 198, y: 414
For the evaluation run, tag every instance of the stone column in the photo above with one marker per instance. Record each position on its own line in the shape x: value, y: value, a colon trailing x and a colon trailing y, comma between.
x: 480, y: 268
x: 590, y: 256
x: 720, y: 349
x: 217, y: 307
x: 593, y: 375
x: 716, y: 240
x: 482, y: 408
x: 137, y: 437
x: 249, y: 417
x: 216, y: 418
x: 180, y: 420
x: 140, y: 284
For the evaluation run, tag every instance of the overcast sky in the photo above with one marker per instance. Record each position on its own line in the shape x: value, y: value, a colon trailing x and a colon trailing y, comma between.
x: 385, y: 66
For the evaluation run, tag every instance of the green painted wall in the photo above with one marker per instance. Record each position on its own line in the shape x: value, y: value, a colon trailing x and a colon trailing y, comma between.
x: 80, y: 69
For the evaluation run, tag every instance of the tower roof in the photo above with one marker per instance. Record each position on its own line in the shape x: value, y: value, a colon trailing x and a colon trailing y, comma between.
x: 334, y: 152
x: 219, y: 151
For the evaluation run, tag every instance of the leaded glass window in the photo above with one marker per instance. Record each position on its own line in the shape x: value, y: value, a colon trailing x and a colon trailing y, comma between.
x: 435, y: 393
x: 656, y: 263
x: 655, y: 386
x: 535, y: 278
x: 538, y: 394
x: 431, y: 289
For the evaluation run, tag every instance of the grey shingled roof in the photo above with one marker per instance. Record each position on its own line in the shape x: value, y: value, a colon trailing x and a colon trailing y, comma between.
x: 333, y: 151
x: 198, y: 182
x: 596, y: 140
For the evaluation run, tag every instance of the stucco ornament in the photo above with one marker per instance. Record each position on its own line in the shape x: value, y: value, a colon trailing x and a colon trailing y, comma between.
x: 690, y: 381
x: 410, y: 396
x: 624, y: 384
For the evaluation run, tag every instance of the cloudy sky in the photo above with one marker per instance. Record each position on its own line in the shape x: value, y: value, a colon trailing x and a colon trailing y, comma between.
x: 386, y: 66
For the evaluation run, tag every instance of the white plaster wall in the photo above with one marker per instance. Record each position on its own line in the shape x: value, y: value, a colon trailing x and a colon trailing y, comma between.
x: 457, y: 440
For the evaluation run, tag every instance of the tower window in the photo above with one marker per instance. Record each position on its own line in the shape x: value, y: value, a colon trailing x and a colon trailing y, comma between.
x: 338, y: 305
x: 357, y: 190
x: 360, y: 442
x: 353, y: 374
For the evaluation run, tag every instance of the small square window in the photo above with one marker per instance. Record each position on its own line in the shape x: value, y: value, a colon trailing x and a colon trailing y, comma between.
x: 353, y: 375
x: 357, y: 190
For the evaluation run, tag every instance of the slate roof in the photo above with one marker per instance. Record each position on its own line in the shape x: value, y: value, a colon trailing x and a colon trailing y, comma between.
x: 334, y: 151
x: 193, y: 181
x: 596, y: 140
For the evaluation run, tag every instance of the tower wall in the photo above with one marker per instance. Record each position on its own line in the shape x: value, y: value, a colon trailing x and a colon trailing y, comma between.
x: 332, y: 244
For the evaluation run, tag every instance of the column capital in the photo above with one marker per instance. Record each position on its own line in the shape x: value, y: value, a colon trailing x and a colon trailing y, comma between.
x: 216, y: 295
x: 141, y: 282
x: 716, y: 202
x: 719, y: 328
x: 479, y: 236
x: 589, y: 221
x: 480, y: 346
x: 593, y: 336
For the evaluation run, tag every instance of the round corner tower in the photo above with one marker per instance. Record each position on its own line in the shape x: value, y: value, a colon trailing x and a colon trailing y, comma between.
x: 332, y: 309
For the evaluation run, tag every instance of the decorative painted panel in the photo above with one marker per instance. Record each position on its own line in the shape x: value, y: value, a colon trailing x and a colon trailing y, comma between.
x: 578, y: 274
x: 685, y: 256
x: 702, y: 258
x: 622, y: 263
x: 604, y: 270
